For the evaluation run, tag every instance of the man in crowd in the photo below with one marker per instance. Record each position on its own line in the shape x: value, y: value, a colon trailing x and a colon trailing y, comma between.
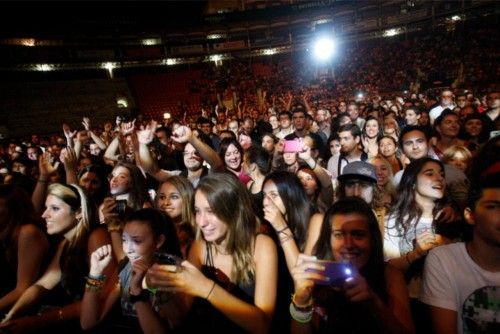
x: 350, y: 150
x: 461, y: 282
x: 414, y: 143
x: 447, y: 102
x: 353, y: 111
x: 286, y: 128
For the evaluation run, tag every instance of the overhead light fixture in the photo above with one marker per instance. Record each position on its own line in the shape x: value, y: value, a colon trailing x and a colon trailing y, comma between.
x: 269, y: 52
x: 215, y: 58
x: 151, y: 41
x: 27, y: 41
x: 322, y: 21
x: 121, y: 102
x: 216, y: 36
x: 391, y: 32
x: 170, y: 61
x: 109, y: 66
x: 44, y: 67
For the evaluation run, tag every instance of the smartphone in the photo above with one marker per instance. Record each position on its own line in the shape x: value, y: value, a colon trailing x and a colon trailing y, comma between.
x: 165, y: 258
x: 292, y: 146
x: 121, y: 206
x: 337, y: 272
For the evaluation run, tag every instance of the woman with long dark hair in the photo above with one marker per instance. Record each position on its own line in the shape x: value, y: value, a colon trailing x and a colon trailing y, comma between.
x: 231, y: 152
x: 232, y: 269
x: 411, y: 229
x: 146, y: 233
x: 372, y: 296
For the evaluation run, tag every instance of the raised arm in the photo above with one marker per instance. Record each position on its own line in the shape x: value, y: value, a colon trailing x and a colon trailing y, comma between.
x: 274, y: 216
x: 145, y: 161
x: 184, y: 134
x: 95, y: 138
x: 39, y: 193
x: 97, y: 303
x: 69, y: 160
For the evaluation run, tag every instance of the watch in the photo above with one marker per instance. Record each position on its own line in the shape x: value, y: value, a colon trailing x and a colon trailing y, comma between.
x: 142, y: 297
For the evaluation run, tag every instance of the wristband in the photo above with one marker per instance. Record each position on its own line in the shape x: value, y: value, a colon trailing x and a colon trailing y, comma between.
x: 300, y: 316
x: 142, y: 297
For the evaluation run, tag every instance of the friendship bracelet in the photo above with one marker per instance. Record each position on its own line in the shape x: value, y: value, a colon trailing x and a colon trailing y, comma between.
x: 283, y: 229
x: 212, y: 289
x: 42, y: 181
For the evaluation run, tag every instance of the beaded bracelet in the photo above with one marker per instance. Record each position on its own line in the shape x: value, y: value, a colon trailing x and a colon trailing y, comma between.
x: 300, y: 316
x: 94, y: 284
x: 304, y: 308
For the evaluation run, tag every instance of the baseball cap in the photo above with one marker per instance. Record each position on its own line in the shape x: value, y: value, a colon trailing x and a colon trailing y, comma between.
x: 358, y: 169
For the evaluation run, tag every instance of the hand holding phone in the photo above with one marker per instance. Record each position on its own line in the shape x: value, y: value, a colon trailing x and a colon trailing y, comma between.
x: 165, y: 258
x: 336, y: 272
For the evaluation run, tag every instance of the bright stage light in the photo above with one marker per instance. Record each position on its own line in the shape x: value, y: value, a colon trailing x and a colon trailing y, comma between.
x: 324, y: 49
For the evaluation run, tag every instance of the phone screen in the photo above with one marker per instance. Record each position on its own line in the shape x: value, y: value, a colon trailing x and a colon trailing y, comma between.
x: 164, y: 258
x: 337, y: 273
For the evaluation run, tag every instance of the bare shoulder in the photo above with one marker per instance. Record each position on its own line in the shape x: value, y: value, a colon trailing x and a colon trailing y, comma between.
x: 264, y: 246
x: 97, y: 238
x: 31, y: 231
x: 197, y: 252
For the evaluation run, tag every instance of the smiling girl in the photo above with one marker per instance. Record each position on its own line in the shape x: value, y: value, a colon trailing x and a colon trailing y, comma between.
x: 231, y: 270
x: 372, y: 300
x: 145, y: 232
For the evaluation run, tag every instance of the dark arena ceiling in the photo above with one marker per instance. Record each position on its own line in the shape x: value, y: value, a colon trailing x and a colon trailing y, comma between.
x: 69, y: 35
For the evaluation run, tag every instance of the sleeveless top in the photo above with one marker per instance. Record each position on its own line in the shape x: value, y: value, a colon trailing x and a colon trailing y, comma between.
x: 203, y: 317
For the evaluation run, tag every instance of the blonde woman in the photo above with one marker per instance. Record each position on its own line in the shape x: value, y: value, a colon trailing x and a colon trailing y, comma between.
x: 67, y: 214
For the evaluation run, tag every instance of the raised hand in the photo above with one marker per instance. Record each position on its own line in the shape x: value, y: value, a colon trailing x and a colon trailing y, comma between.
x: 67, y: 131
x: 100, y: 259
x: 182, y: 134
x: 86, y: 123
x: 68, y: 158
x: 305, y: 154
x: 44, y: 165
x: 127, y: 128
x: 146, y: 134
x: 304, y: 273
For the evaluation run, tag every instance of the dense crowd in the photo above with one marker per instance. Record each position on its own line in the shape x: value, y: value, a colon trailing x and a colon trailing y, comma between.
x: 292, y: 207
